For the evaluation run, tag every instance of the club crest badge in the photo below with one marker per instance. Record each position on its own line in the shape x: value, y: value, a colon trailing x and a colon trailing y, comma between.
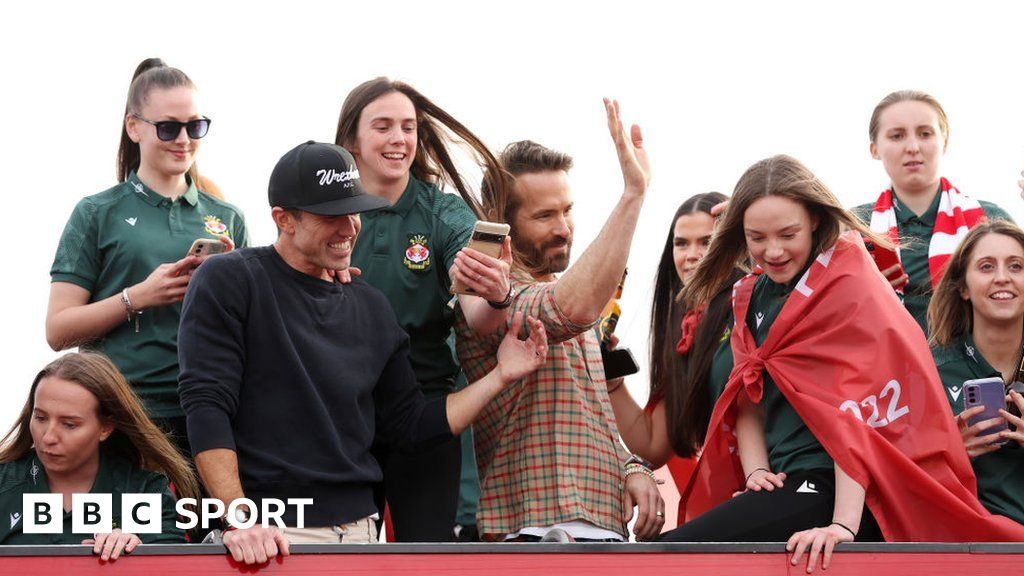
x: 215, y: 226
x: 417, y: 255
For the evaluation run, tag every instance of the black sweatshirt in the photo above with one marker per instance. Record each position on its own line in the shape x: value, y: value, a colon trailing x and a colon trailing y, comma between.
x: 296, y: 375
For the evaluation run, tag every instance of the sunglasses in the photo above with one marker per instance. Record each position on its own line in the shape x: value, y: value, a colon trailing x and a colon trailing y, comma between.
x: 168, y: 130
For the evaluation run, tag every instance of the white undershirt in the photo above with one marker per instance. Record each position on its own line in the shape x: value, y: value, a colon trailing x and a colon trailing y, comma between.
x: 577, y: 529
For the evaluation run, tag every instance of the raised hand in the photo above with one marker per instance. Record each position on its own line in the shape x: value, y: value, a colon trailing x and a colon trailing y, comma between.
x: 636, y: 170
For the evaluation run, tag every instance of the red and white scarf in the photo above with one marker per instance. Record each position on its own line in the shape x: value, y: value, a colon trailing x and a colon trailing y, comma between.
x: 957, y: 214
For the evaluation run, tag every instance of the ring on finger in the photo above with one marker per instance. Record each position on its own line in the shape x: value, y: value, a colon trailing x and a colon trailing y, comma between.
x: 659, y: 514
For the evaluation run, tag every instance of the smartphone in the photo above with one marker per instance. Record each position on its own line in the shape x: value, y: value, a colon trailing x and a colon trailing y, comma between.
x: 885, y: 259
x: 618, y: 363
x: 205, y: 247
x: 990, y: 393
x: 488, y: 237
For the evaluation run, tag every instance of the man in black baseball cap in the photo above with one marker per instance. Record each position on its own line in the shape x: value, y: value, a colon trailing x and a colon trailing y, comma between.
x: 321, y: 183
x: 288, y: 374
x: 321, y: 179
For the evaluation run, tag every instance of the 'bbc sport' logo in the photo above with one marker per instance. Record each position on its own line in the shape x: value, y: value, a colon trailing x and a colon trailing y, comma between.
x: 143, y: 513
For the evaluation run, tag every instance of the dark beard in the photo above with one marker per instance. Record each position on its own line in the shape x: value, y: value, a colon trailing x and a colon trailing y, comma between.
x: 532, y: 257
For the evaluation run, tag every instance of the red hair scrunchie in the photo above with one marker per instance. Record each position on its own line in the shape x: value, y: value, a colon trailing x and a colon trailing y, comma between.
x: 689, y: 330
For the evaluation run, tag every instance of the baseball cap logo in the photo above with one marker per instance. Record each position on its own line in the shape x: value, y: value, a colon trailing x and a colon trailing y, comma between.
x: 328, y: 177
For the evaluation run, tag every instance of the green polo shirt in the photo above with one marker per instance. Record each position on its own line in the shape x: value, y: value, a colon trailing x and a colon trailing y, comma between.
x: 114, y: 240
x: 999, y: 473
x: 791, y: 446
x: 116, y: 476
x: 915, y: 235
x: 405, y: 251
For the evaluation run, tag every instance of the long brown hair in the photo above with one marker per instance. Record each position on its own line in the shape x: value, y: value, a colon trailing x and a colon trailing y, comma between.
x: 151, y: 74
x: 665, y: 310
x: 688, y: 401
x: 782, y: 176
x: 949, y: 315
x: 434, y: 128
x: 135, y: 437
x: 672, y: 375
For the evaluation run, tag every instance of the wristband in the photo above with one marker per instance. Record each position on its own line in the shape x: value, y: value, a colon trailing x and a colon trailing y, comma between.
x: 638, y: 469
x: 506, y: 302
x: 845, y: 527
x: 755, y: 471
x: 634, y: 459
x: 130, y: 310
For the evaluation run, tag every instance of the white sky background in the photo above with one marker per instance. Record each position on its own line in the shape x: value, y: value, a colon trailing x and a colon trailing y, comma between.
x: 716, y: 86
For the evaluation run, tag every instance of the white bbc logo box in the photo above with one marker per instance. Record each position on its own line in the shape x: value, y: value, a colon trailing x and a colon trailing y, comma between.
x: 91, y: 513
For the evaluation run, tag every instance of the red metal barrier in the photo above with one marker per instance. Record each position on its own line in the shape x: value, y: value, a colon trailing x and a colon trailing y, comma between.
x: 527, y: 559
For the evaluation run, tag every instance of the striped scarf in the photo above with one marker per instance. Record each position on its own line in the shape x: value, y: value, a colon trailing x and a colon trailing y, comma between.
x: 957, y: 214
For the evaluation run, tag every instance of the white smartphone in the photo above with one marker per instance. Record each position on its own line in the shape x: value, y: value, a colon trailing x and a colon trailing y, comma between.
x: 205, y: 247
x: 488, y: 237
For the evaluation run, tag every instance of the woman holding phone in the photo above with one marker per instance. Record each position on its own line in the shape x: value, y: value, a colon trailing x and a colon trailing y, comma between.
x: 808, y: 460
x: 921, y: 212
x: 122, y: 265
x: 412, y: 251
x: 82, y: 430
x: 977, y: 322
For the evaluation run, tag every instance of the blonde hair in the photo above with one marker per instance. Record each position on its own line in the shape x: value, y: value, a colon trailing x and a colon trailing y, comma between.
x: 908, y: 96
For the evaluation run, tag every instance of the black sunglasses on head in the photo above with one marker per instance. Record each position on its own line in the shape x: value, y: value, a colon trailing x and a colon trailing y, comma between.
x: 168, y: 130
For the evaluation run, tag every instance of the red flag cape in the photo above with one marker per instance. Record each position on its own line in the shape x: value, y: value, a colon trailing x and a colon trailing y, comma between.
x: 857, y: 369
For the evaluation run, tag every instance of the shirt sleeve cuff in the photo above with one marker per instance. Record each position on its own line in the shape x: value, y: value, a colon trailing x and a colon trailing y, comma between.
x: 435, y: 420
x: 562, y: 318
x: 209, y: 428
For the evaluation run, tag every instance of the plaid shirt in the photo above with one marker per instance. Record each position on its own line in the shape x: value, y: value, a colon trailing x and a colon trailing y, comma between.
x: 547, y: 446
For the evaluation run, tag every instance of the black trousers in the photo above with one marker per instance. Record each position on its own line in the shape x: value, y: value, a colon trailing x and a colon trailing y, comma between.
x: 805, y: 501
x: 421, y: 490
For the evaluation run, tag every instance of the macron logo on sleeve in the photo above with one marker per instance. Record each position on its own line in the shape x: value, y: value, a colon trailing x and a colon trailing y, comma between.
x: 15, y: 518
x: 955, y: 391
x: 131, y: 221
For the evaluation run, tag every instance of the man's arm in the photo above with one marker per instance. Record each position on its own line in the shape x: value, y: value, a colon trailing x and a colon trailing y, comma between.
x: 407, y: 421
x: 218, y: 469
x: 586, y: 287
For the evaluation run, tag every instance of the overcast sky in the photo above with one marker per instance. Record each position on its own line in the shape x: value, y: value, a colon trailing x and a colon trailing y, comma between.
x: 715, y: 86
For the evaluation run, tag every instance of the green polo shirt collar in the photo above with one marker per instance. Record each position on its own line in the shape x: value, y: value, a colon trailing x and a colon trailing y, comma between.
x: 405, y: 202
x: 154, y: 198
x: 977, y: 363
x: 904, y: 215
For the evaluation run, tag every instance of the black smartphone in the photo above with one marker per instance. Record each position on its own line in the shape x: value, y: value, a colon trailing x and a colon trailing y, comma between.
x: 618, y: 363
